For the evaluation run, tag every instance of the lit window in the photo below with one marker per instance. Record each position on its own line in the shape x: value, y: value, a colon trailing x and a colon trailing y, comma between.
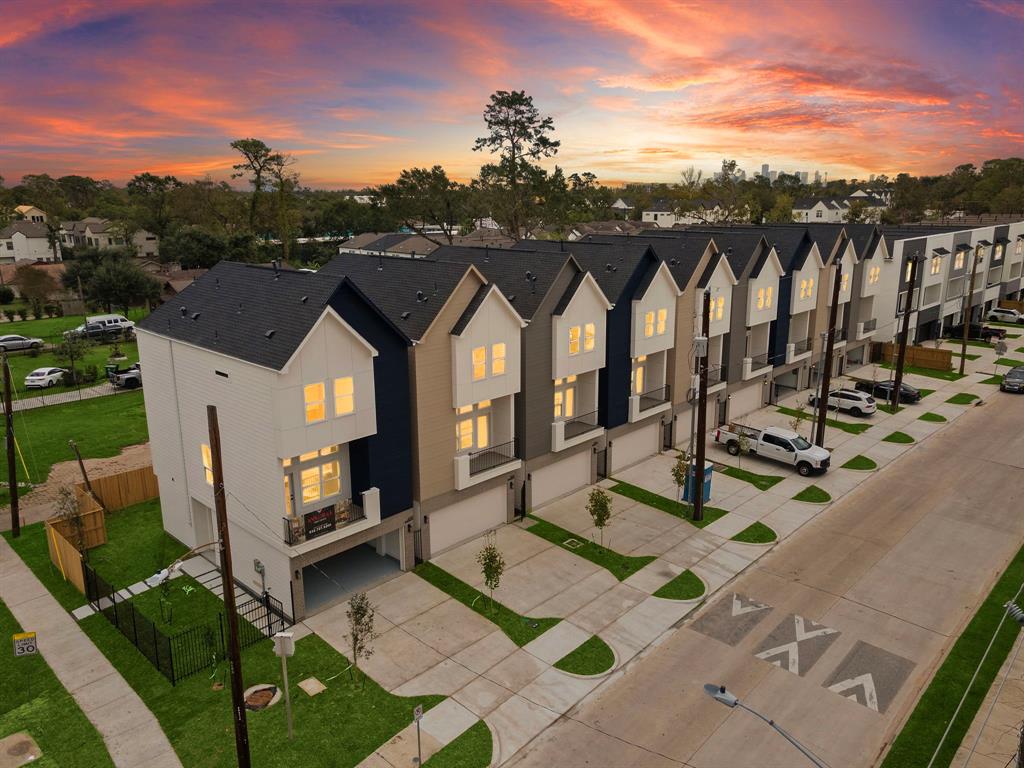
x: 318, y: 482
x: 720, y: 308
x: 473, y: 431
x: 649, y: 324
x: 910, y: 265
x: 760, y: 298
x: 315, y: 409
x: 479, y: 363
x: 331, y: 478
x: 482, y: 423
x: 310, y: 485
x: 1018, y: 249
x: 810, y: 286
x: 308, y: 456
x: 803, y: 289
x: 288, y: 495
x: 207, y: 463
x: 936, y: 265
x: 958, y: 262
x: 589, y: 337
x: 464, y: 434
x: 768, y: 297
x: 498, y: 359
x: 344, y: 396
x: 845, y: 282
x: 328, y: 450
x: 662, y: 321
x: 998, y: 253
x: 639, y: 368
x: 574, y: 340
x: 565, y: 397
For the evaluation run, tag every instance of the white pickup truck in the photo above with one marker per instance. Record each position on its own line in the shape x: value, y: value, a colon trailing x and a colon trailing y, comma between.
x: 777, y: 444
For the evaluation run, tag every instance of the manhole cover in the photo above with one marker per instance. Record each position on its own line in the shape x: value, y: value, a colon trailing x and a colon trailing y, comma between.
x: 573, y: 543
x: 259, y: 697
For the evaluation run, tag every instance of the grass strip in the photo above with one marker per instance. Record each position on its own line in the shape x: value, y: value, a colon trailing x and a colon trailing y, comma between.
x: 921, y: 733
x: 520, y: 629
x: 962, y: 398
x: 686, y: 586
x: 761, y: 482
x: 937, y: 418
x: 1009, y: 362
x: 620, y: 566
x: 812, y: 494
x: 665, y: 504
x: 967, y: 356
x: 862, y: 463
x: 853, y: 429
x: 35, y: 701
x: 996, y: 380
x: 886, y: 408
x: 758, y: 533
x: 944, y: 375
x: 925, y: 392
x: 954, y: 342
x: 1019, y: 350
x: 470, y: 749
x: 898, y: 437
x: 592, y: 657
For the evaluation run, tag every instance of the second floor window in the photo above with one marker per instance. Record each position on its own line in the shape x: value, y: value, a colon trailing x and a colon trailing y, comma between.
x: 720, y: 308
x: 315, y: 408
x: 479, y: 363
x: 473, y: 426
x: 207, y: 463
x: 639, y: 374
x: 936, y: 265
x: 958, y: 261
x: 498, y: 359
x: 565, y: 397
x: 874, y: 274
x: 320, y: 482
x: 589, y: 337
x: 574, y: 340
x: 997, y: 253
x: 649, y: 324
x: 662, y: 321
x: 844, y: 282
x: 344, y: 396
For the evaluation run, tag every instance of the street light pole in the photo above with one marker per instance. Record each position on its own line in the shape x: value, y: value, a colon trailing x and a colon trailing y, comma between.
x: 721, y: 695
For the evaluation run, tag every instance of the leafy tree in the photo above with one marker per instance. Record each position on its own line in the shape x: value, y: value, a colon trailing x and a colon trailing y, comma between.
x: 70, y: 352
x: 193, y: 248
x: 492, y: 565
x: 679, y: 471
x: 782, y: 210
x: 599, y: 507
x: 361, y: 614
x: 421, y: 197
x: 36, y: 286
x: 257, y: 161
x: 120, y: 283
x: 743, y: 444
x: 151, y: 198
x: 857, y: 212
x: 285, y: 181
x: 6, y: 294
x: 81, y: 192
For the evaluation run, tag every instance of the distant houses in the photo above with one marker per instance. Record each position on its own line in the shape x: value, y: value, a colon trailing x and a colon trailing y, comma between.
x: 836, y: 210
x: 27, y: 240
x: 668, y: 213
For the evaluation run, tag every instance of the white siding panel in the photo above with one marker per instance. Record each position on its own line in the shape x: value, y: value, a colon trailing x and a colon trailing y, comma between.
x: 746, y: 400
x: 560, y: 478
x: 635, y: 446
x: 466, y: 519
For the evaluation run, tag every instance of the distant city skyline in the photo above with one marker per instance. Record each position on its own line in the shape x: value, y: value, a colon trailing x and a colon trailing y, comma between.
x: 358, y: 91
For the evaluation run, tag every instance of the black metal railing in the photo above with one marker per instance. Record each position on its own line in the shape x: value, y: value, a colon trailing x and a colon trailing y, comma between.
x: 321, y: 521
x: 840, y: 335
x: 717, y: 374
x: 655, y: 397
x: 799, y: 347
x: 758, y: 361
x: 491, y: 457
x: 193, y: 649
x: 581, y: 424
x: 870, y: 325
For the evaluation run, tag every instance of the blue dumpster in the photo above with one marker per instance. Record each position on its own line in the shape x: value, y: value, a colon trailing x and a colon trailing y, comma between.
x: 691, y: 482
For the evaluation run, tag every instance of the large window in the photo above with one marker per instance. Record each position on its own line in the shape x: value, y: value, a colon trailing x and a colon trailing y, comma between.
x: 344, y: 396
x: 662, y: 321
x: 207, y: 463
x: 498, y: 359
x: 588, y: 337
x: 807, y: 288
x: 936, y: 265
x: 574, y: 340
x: 473, y: 426
x: 874, y: 274
x: 958, y: 261
x: 314, y: 476
x: 648, y: 324
x: 315, y: 408
x: 844, y: 282
x: 565, y: 397
x: 764, y: 298
x: 320, y: 482
x: 720, y: 308
x: 639, y: 374
x: 479, y: 363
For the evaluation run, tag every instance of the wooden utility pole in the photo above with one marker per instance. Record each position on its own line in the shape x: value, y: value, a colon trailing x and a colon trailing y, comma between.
x: 894, y: 396
x: 830, y: 346
x: 702, y: 412
x: 975, y: 258
x: 12, y: 466
x: 228, y: 586
x: 85, y: 477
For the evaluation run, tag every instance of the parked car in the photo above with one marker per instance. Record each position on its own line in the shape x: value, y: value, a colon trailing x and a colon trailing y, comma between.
x: 883, y: 390
x: 44, y: 377
x: 11, y: 342
x: 1013, y: 380
x: 1003, y: 315
x: 120, y: 322
x: 130, y: 378
x: 94, y: 332
x: 777, y: 444
x: 850, y: 400
x: 977, y: 332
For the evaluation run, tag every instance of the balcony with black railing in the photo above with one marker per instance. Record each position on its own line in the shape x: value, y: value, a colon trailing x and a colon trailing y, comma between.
x: 492, y: 457
x: 330, y: 518
x: 717, y: 374
x: 655, y: 397
x: 580, y: 425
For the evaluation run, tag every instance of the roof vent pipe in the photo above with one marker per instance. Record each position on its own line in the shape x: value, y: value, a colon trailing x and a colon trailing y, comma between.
x: 183, y: 311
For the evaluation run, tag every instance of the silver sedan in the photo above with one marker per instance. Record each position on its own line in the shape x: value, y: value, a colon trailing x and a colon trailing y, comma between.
x: 11, y: 342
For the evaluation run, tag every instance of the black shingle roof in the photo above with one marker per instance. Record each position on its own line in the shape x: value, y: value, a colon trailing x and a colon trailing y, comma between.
x: 470, y: 310
x: 570, y: 291
x: 246, y: 311
x: 409, y: 292
x: 611, y: 263
x: 743, y: 248
x: 680, y: 249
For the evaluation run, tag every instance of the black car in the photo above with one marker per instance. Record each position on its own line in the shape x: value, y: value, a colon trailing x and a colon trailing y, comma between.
x: 976, y: 332
x: 94, y: 332
x: 1013, y: 380
x: 883, y: 391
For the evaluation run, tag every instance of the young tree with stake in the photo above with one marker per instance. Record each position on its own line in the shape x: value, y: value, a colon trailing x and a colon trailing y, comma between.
x: 599, y: 505
x: 679, y: 469
x: 360, y: 614
x: 492, y: 565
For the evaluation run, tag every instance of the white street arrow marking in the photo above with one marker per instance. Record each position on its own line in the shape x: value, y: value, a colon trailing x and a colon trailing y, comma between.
x: 866, y: 682
x: 792, y: 648
x: 738, y: 608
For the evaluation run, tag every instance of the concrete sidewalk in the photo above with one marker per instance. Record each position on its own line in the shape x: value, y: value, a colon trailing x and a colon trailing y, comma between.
x: 131, y: 732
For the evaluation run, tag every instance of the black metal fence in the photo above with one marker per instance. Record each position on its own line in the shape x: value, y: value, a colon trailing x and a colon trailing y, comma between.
x: 581, y: 424
x: 491, y: 457
x: 193, y: 649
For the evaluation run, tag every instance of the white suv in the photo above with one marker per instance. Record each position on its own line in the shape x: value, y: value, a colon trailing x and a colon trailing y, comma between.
x: 1003, y: 315
x: 850, y: 400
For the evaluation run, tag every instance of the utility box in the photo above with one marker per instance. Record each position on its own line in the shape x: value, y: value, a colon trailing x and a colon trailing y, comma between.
x: 691, y: 482
x: 284, y: 644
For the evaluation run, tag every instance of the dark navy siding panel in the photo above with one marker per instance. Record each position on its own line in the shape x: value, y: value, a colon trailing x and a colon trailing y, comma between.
x: 614, y: 380
x: 382, y: 460
x: 778, y: 337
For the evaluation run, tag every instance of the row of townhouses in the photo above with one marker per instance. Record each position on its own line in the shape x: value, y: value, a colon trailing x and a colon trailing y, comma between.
x: 386, y: 408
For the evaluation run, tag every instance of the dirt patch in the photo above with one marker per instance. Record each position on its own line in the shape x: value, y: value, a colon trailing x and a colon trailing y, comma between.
x: 40, y: 503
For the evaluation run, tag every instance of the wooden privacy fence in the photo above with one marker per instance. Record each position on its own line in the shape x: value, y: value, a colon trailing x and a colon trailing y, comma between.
x: 1007, y: 304
x: 120, y: 490
x: 922, y: 357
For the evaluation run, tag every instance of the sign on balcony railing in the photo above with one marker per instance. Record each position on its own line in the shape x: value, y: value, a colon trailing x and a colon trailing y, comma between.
x: 320, y: 521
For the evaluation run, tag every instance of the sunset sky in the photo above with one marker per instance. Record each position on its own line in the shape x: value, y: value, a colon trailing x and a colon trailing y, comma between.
x: 639, y: 89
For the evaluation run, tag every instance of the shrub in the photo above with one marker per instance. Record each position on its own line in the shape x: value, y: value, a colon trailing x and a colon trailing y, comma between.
x: 51, y: 310
x: 6, y: 294
x: 90, y: 373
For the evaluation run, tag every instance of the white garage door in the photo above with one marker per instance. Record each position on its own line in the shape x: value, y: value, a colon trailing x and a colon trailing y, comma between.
x: 466, y: 519
x: 745, y: 400
x: 560, y: 478
x: 635, y: 446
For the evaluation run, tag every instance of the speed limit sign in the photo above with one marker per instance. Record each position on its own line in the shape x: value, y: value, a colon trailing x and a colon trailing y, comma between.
x: 25, y: 644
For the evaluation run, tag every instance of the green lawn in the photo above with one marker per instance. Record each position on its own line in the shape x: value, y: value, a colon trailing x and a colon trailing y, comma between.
x: 962, y: 398
x: 137, y: 545
x: 862, y: 463
x: 967, y: 356
x: 188, y: 603
x: 1009, y: 362
x: 944, y: 375
x: 592, y: 657
x: 898, y: 437
x: 98, y: 355
x: 996, y: 380
x: 470, y: 749
x: 32, y: 549
x: 51, y: 329
x: 665, y: 504
x: 970, y: 342
x: 520, y: 629
x: 338, y: 727
x: 886, y: 408
x: 761, y: 482
x: 938, y: 418
x: 920, y: 735
x: 620, y: 566
x: 813, y: 495
x: 35, y: 701
x: 758, y: 533
x: 854, y: 428
x: 1019, y: 350
x: 685, y: 586
x: 101, y: 426
x: 925, y: 392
